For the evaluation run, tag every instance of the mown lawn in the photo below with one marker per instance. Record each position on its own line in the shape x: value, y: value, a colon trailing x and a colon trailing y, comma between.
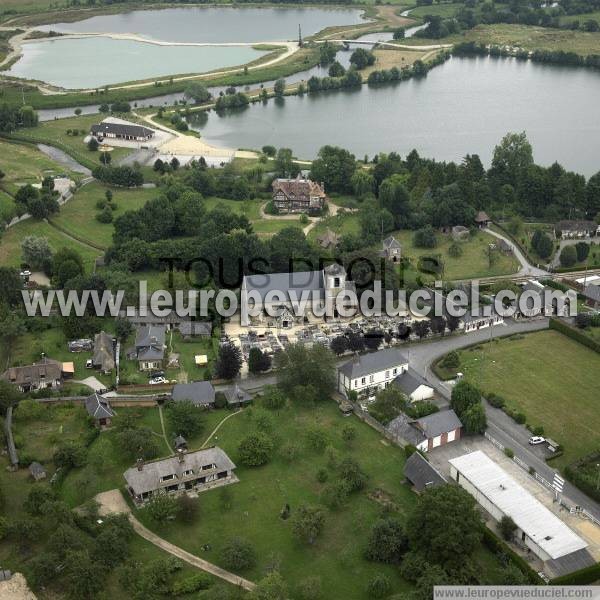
x: 10, y: 243
x: 549, y: 377
x: 78, y: 216
x: 473, y: 262
x: 23, y: 163
x: 269, y: 227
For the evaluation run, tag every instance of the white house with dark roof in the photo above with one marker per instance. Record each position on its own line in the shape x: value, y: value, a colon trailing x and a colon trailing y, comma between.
x: 413, y: 386
x: 368, y: 373
x: 426, y: 433
x: 280, y: 292
x: 184, y: 473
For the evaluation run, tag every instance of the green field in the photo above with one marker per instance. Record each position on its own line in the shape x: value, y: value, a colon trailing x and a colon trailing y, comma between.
x: 10, y: 243
x: 473, y: 262
x: 23, y: 163
x: 268, y: 227
x: 527, y: 37
x: 549, y: 377
x: 78, y: 216
x: 581, y: 18
x: 250, y: 208
x: 446, y: 10
x: 343, y: 224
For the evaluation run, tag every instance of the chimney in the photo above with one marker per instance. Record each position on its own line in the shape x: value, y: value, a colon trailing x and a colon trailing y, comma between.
x: 356, y: 358
x: 180, y: 454
x: 140, y: 464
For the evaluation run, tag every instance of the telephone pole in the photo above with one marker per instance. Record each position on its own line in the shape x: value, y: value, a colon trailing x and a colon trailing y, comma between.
x: 299, y: 35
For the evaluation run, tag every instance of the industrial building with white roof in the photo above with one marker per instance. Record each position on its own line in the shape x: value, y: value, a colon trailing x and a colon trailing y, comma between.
x: 549, y: 538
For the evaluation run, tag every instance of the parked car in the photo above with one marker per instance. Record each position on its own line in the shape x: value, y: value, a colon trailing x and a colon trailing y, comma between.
x: 158, y: 381
x: 536, y: 439
x: 156, y: 374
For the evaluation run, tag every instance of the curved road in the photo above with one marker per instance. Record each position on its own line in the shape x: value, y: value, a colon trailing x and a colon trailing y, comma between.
x: 527, y: 269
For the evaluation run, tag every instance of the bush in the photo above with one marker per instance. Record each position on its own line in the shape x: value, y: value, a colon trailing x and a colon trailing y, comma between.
x: 238, y: 554
x: 568, y: 256
x: 451, y: 360
x: 379, y: 586
x: 507, y: 527
x: 194, y: 583
x: 255, y: 449
x: 496, y: 401
x: 509, y: 452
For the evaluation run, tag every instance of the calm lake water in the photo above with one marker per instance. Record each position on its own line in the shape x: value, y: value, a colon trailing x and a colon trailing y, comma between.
x: 215, y: 24
x: 464, y: 106
x: 99, y: 61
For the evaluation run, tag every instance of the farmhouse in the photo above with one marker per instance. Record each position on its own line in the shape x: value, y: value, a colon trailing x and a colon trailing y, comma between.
x: 279, y: 292
x: 46, y: 374
x: 104, y: 354
x: 576, y: 229
x: 187, y: 472
x: 100, y: 410
x: 149, y: 348
x: 541, y: 531
x: 427, y: 433
x: 186, y: 325
x: 199, y: 393
x: 121, y: 131
x: 421, y: 473
x: 298, y: 195
x: 392, y: 249
x: 413, y: 386
x: 367, y: 373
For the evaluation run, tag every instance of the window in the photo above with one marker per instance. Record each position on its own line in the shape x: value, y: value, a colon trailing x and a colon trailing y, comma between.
x: 168, y: 477
x: 395, y: 371
x: 188, y: 473
x: 336, y: 282
x: 371, y: 378
x: 208, y: 467
x: 363, y: 380
x: 387, y: 374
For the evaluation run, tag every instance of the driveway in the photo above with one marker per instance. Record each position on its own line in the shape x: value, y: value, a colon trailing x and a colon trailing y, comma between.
x: 527, y: 269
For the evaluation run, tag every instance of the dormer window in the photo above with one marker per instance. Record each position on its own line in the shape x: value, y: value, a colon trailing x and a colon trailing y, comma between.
x: 168, y: 477
x: 188, y: 473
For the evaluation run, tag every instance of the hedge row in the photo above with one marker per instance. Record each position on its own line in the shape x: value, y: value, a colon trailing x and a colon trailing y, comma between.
x: 583, y: 474
x: 581, y: 577
x: 495, y: 544
x: 574, y: 334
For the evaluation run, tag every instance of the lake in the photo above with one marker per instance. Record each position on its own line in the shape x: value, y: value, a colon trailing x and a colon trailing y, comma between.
x: 464, y: 106
x: 216, y: 24
x: 98, y: 61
